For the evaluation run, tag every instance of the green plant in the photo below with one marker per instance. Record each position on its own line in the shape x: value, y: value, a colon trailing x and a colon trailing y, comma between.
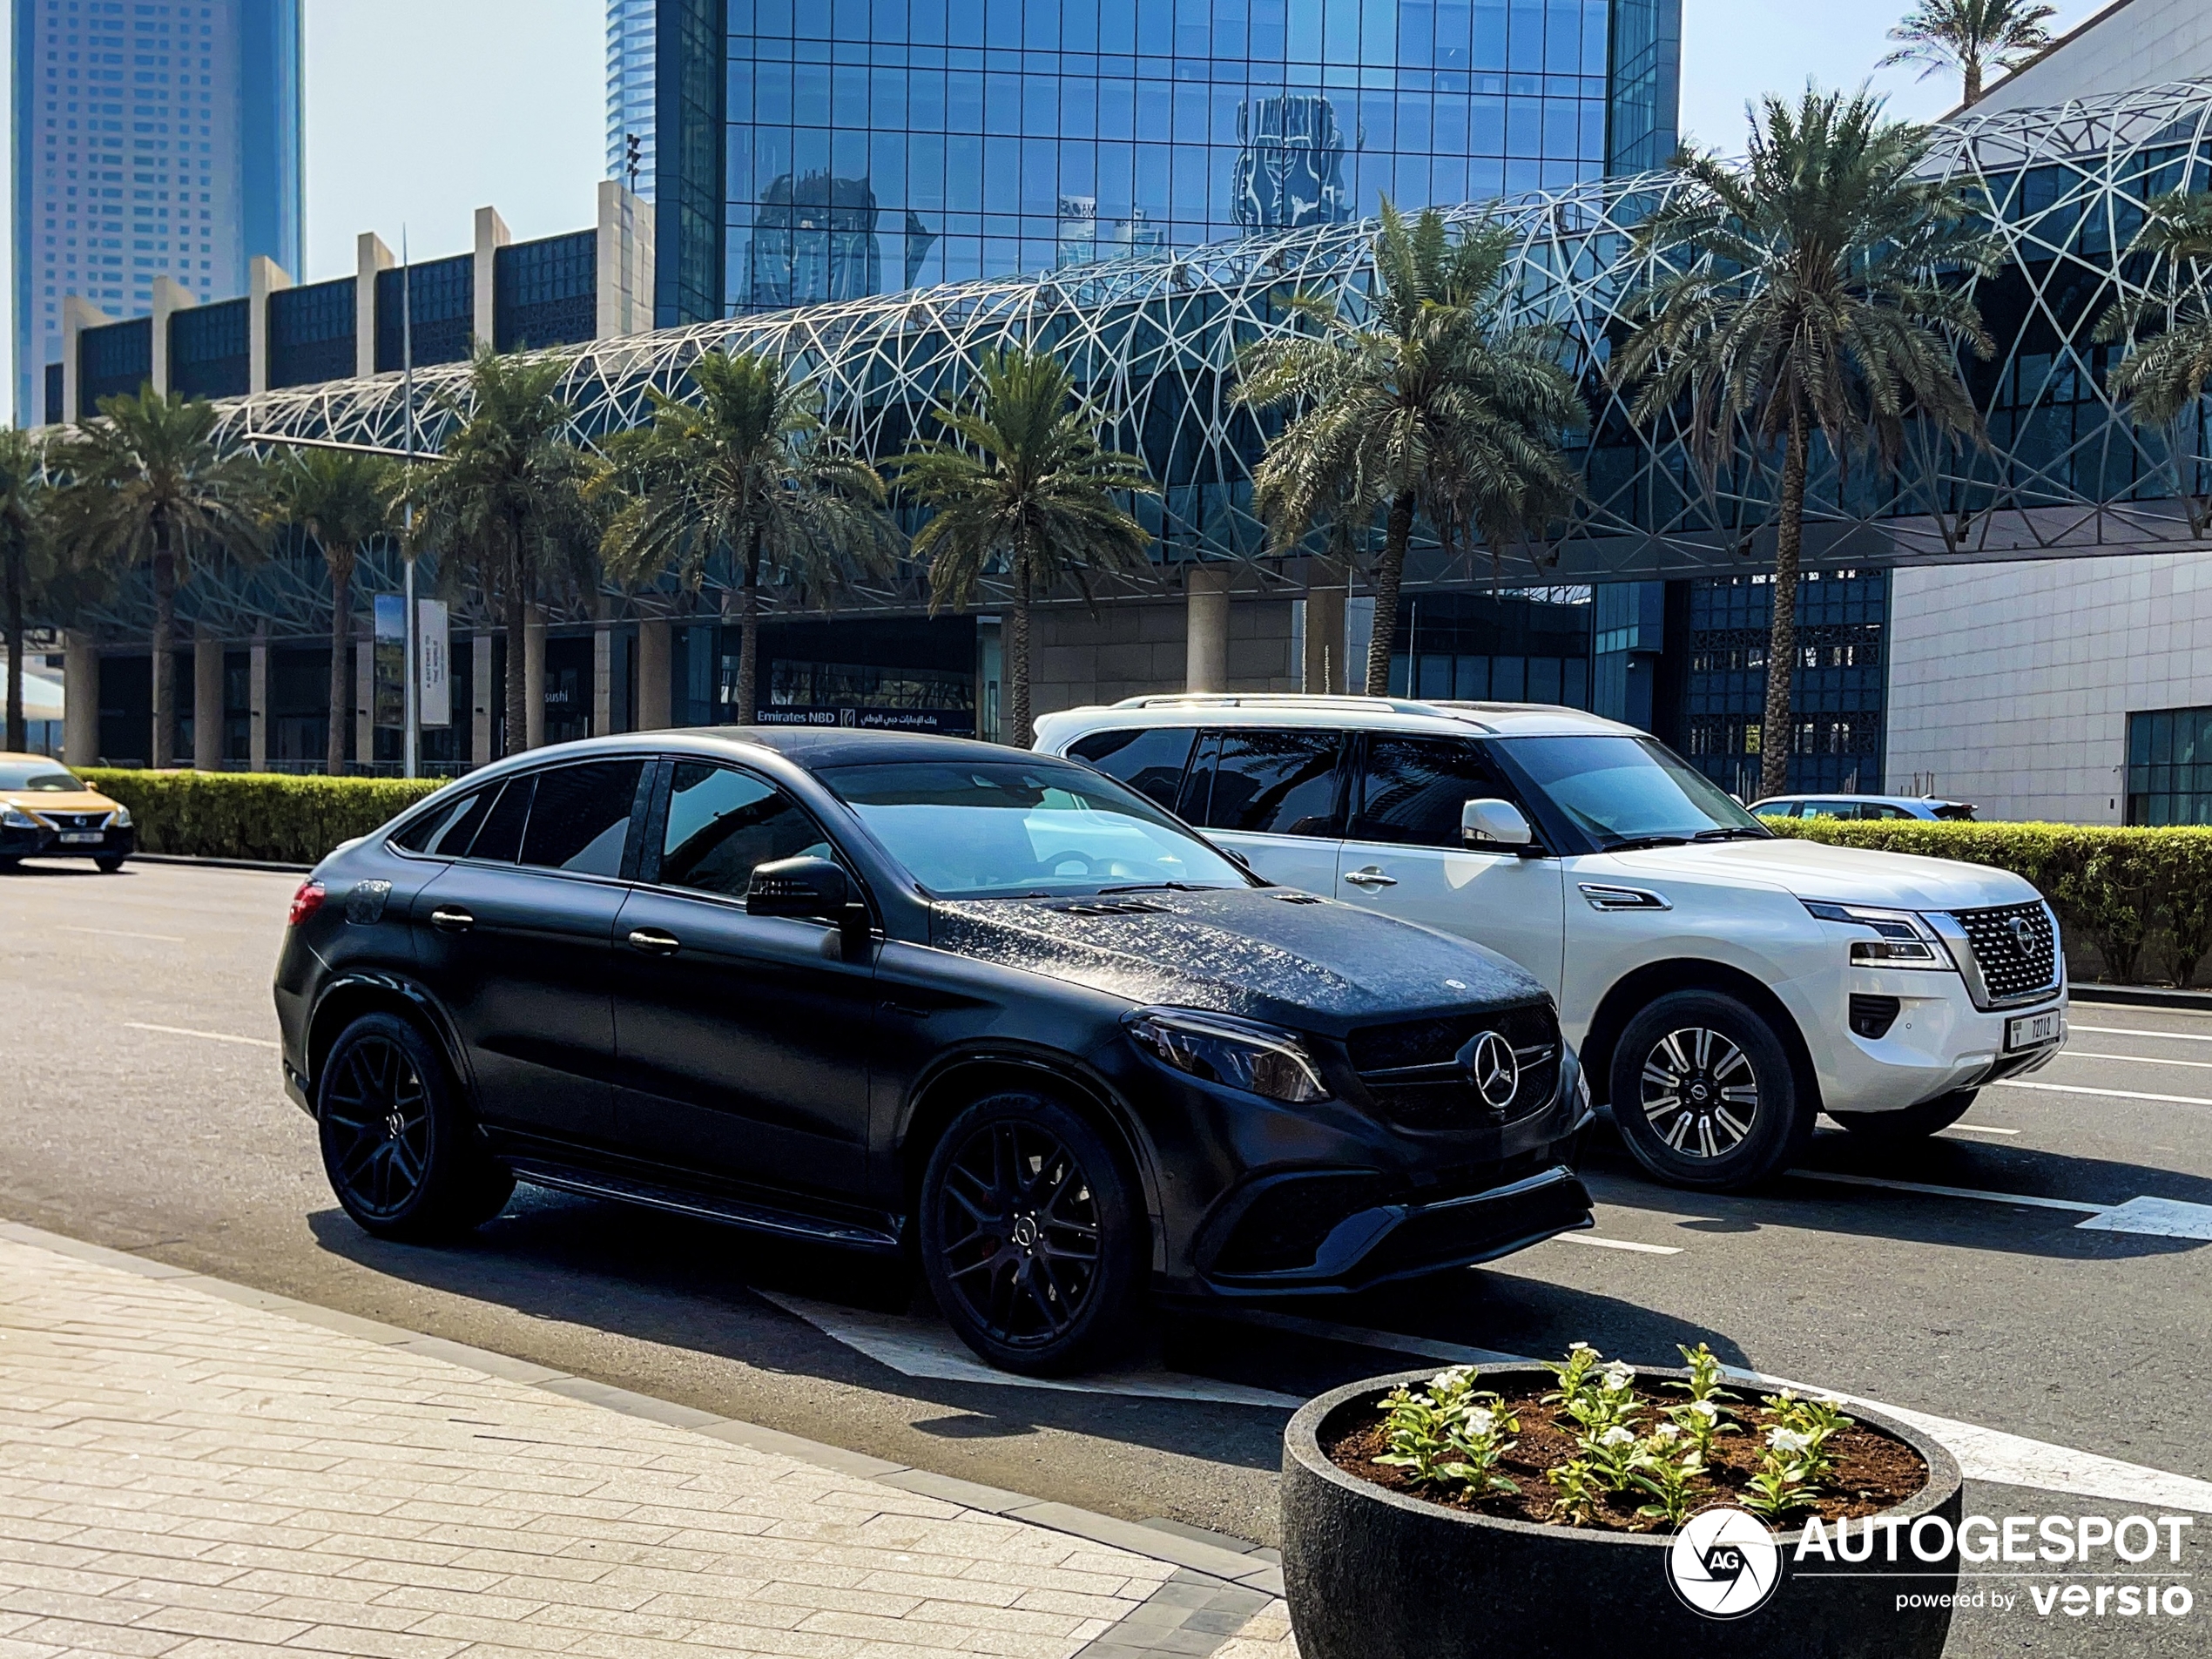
x: 1424, y: 406
x: 25, y: 558
x: 1774, y: 1489
x: 1575, y: 1372
x: 1614, y: 1454
x: 1450, y: 1434
x: 341, y: 499
x: 1809, y: 1426
x: 1670, y: 1474
x: 1971, y: 37
x: 1024, y: 477
x: 1705, y: 1372
x: 1581, y: 1493
x: 262, y: 816
x: 1701, y: 1421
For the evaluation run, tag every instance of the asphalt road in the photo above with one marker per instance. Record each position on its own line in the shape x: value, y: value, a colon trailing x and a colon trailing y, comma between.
x: 141, y: 1109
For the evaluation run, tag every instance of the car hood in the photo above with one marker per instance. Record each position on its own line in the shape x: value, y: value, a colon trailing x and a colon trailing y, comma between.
x: 1844, y: 874
x: 1316, y: 965
x: 56, y: 801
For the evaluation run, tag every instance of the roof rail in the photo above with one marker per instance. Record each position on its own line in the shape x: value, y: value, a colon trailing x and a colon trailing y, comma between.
x: 1269, y: 699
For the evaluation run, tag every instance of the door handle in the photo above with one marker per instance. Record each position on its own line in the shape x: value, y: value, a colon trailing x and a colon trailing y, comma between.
x: 1372, y: 877
x: 447, y: 919
x: 654, y: 942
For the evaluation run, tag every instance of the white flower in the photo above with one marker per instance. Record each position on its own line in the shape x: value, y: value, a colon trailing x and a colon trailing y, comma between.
x: 1618, y: 1376
x: 1704, y: 1408
x: 1452, y: 1377
x: 1584, y: 1346
x: 1480, y: 1421
x: 1784, y: 1440
x: 1666, y: 1433
x: 1616, y: 1436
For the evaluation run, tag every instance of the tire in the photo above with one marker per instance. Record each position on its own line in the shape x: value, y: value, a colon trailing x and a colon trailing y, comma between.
x: 1704, y: 1093
x: 8, y: 866
x: 401, y: 1153
x: 1915, y: 1123
x: 109, y: 866
x: 1032, y: 1236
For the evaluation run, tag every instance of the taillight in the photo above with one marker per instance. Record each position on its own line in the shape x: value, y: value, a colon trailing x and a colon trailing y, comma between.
x: 306, y: 901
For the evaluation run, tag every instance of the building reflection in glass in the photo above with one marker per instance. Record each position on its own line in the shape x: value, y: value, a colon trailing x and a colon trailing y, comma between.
x: 1290, y: 163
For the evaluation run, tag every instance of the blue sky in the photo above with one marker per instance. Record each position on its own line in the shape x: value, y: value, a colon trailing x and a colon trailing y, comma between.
x: 420, y: 110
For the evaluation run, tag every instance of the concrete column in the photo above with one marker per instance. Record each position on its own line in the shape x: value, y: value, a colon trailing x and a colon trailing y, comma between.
x: 1206, y: 654
x: 371, y: 256
x: 170, y: 297
x: 78, y: 313
x: 483, y: 698
x: 80, y: 696
x: 491, y: 236
x: 364, y: 695
x: 206, y: 702
x: 264, y: 276
x: 653, y: 682
x: 533, y: 676
x: 624, y: 262
x: 257, y: 700
x: 603, y: 679
x: 1322, y: 671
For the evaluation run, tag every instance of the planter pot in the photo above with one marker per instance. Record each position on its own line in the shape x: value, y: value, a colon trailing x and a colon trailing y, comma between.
x: 1374, y: 1575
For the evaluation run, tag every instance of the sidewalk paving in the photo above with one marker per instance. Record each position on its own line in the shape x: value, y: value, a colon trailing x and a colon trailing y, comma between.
x: 186, y: 1472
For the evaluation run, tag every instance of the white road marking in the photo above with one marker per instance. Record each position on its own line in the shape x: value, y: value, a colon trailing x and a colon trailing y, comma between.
x: 2074, y: 1205
x: 1617, y: 1244
x: 211, y: 1037
x: 2108, y: 1094
x: 2160, y: 1217
x: 2132, y: 1031
x: 925, y: 1348
x: 1983, y: 1453
x: 1981, y: 1128
x: 118, y: 932
x: 2138, y: 1059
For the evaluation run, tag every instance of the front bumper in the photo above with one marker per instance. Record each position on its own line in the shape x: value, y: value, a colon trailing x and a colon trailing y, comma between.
x: 1939, y: 1042
x: 45, y: 842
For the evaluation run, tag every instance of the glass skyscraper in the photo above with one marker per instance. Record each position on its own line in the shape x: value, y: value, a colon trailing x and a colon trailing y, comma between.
x: 629, y: 90
x: 869, y: 145
x: 149, y: 140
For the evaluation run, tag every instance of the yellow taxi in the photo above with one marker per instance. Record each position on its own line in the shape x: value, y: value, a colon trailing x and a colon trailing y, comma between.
x: 47, y: 811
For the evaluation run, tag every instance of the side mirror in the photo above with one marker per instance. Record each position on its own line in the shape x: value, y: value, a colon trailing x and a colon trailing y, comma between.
x: 1494, y: 823
x: 811, y: 888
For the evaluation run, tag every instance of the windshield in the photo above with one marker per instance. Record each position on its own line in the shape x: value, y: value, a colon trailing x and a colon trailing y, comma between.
x: 43, y: 776
x: 989, y: 829
x: 1625, y: 791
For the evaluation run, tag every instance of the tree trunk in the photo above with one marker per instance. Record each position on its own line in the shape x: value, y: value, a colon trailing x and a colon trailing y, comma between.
x: 1017, y: 652
x: 165, y: 668
x: 341, y: 616
x: 1398, y: 532
x: 749, y: 635
x: 19, y: 735
x: 1775, y: 736
x: 518, y: 646
x: 1973, y: 79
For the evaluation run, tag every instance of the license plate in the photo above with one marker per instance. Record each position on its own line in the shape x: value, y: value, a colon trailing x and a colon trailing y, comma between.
x: 82, y: 838
x: 2031, y: 1030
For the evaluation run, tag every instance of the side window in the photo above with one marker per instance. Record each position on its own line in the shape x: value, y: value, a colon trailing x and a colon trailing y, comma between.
x: 1832, y: 809
x: 1151, y: 760
x: 722, y: 822
x: 1411, y: 790
x: 1275, y: 783
x: 501, y: 839
x: 1874, y: 809
x: 1779, y: 809
x: 581, y: 817
x: 447, y: 830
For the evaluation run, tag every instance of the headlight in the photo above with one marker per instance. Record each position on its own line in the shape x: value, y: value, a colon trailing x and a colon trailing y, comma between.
x: 121, y: 818
x: 16, y: 818
x: 1254, y: 1058
x: 1902, y: 939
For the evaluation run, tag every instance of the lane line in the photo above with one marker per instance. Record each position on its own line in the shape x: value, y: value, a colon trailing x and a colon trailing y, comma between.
x: 1981, y: 1128
x: 1596, y: 1242
x: 210, y: 1036
x: 2108, y: 1094
x: 2136, y: 1059
x: 2132, y: 1031
x: 2074, y: 1204
x: 118, y: 932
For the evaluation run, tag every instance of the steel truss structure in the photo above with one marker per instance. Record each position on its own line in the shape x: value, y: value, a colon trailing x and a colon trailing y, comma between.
x: 1153, y: 341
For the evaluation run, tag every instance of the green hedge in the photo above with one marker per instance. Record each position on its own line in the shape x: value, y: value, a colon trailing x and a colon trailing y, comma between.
x: 2140, y: 899
x: 264, y: 815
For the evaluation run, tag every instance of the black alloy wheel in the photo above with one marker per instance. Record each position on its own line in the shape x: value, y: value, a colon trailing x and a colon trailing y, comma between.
x: 1704, y: 1095
x: 1915, y: 1123
x: 1028, y: 1235
x: 401, y: 1158
x: 108, y: 866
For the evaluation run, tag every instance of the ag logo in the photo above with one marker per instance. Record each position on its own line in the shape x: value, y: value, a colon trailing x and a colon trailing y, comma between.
x: 1723, y: 1564
x: 1493, y: 1068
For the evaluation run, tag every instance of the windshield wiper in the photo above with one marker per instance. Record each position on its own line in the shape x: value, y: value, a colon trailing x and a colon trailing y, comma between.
x: 1631, y: 843
x: 1162, y: 887
x: 1731, y: 833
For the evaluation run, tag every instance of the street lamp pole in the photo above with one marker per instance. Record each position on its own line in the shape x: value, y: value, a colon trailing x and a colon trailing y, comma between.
x: 412, y: 703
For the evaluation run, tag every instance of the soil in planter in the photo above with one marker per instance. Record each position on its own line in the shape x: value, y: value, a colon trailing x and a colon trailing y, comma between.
x: 1873, y: 1472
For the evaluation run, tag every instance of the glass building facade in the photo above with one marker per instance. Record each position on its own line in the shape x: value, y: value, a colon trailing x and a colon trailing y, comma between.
x: 870, y: 145
x: 151, y: 139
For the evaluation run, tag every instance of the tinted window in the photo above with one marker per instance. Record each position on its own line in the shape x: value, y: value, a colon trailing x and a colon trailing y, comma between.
x: 1281, y: 783
x: 42, y: 775
x: 1877, y: 809
x: 1776, y: 809
x: 581, y: 817
x: 1415, y: 788
x: 1151, y: 761
x: 501, y: 839
x: 1832, y: 809
x: 446, y: 828
x: 722, y: 822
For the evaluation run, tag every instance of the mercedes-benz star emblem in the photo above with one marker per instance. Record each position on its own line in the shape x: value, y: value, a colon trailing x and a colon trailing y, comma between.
x: 2023, y: 932
x: 1493, y: 1068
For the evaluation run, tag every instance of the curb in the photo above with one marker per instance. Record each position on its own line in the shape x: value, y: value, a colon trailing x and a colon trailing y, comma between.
x: 1227, y: 1561
x: 218, y: 864
x: 2143, y: 996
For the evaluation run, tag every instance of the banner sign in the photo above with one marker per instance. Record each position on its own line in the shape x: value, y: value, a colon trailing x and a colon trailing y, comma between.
x: 389, y: 700
x: 951, y: 723
x: 431, y: 645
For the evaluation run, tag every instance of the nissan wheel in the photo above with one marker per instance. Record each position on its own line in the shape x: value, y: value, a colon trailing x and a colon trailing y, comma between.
x: 1704, y: 1095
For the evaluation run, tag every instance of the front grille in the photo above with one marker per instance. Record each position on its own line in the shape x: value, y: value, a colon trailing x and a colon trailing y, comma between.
x: 2015, y: 961
x: 1873, y: 1017
x: 1413, y: 1074
x: 1283, y: 1227
x: 76, y: 820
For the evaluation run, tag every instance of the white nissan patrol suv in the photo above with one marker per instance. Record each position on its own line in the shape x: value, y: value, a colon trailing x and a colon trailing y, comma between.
x: 1723, y: 985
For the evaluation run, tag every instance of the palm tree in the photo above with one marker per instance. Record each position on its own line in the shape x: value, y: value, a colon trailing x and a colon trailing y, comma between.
x: 1811, y: 301
x: 342, y: 498
x: 506, y: 500
x: 1971, y: 36
x: 748, y: 471
x: 1429, y: 409
x: 24, y: 558
x: 149, y: 482
x: 1023, y: 477
x: 2163, y: 378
